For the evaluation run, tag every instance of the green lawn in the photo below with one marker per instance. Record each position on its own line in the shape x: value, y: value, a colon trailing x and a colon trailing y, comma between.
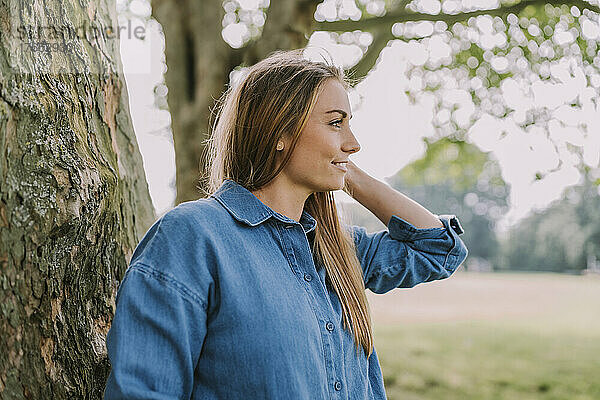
x: 547, y: 352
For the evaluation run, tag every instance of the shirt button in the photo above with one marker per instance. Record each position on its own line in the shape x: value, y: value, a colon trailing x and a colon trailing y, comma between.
x: 329, y: 326
x: 307, y: 277
x: 289, y: 226
x: 338, y: 385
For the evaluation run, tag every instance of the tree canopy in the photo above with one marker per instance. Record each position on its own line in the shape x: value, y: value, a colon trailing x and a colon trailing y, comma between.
x: 482, y: 54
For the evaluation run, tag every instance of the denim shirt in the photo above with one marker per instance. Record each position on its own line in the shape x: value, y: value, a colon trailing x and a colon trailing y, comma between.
x: 223, y: 300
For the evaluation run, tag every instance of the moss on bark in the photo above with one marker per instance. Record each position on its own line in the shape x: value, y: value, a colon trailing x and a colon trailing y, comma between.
x: 73, y: 202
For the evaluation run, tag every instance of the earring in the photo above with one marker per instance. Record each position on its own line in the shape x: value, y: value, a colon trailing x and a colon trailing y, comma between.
x: 279, y: 145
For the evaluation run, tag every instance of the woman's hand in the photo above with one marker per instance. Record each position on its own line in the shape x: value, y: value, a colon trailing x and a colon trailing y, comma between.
x: 352, y: 178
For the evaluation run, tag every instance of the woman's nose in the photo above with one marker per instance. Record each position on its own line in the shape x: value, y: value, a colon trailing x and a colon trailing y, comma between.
x: 351, y: 145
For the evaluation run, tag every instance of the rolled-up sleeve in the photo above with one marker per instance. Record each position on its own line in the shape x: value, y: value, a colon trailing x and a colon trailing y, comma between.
x: 404, y: 256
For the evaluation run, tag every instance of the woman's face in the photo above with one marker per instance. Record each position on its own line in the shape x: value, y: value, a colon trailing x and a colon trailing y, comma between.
x: 326, y: 139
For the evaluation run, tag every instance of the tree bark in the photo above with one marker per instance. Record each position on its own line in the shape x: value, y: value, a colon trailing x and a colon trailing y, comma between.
x: 198, y: 68
x: 73, y: 198
x: 200, y: 61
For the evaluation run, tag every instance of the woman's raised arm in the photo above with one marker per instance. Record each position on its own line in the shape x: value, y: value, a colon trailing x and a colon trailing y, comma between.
x: 383, y: 201
x: 417, y: 247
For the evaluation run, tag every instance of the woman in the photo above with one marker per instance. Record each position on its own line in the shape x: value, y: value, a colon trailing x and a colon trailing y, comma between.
x: 258, y: 291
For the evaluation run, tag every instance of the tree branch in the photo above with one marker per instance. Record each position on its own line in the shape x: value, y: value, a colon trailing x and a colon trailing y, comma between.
x: 381, y: 37
x: 403, y: 16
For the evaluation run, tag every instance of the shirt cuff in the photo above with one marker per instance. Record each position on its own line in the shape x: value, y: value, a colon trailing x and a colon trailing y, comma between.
x: 458, y: 252
x: 404, y: 231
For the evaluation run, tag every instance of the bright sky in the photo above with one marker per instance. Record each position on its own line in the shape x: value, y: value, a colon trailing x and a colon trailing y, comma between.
x: 390, y: 129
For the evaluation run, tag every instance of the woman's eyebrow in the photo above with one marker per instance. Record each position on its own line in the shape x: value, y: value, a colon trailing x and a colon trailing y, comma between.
x: 344, y: 114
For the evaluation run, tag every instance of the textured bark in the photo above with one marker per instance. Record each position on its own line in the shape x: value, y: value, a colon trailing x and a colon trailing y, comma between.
x: 73, y: 202
x: 200, y: 61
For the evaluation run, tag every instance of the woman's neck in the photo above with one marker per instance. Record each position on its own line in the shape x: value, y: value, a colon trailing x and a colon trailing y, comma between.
x: 282, y: 198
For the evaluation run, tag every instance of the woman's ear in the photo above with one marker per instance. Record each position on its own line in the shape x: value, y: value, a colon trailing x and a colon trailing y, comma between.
x: 284, y: 142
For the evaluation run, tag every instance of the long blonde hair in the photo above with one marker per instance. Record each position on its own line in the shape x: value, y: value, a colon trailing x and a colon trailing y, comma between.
x: 275, y: 98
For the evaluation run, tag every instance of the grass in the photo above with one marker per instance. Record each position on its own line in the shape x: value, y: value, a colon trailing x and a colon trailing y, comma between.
x: 547, y: 352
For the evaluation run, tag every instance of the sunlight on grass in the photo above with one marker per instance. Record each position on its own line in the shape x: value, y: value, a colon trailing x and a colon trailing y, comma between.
x: 506, y: 357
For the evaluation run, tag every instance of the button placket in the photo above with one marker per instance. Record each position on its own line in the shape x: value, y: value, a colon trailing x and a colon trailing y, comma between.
x: 315, y: 293
x: 307, y: 276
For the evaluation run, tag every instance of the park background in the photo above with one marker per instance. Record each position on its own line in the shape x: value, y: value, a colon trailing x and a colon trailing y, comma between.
x: 483, y: 109
x: 528, y: 199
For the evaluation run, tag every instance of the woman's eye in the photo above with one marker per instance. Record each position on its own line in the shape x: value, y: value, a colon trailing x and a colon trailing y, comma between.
x: 336, y: 123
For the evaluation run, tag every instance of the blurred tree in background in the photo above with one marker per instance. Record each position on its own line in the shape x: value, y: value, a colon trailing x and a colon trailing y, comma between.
x: 564, y: 237
x: 487, y: 52
x: 455, y: 177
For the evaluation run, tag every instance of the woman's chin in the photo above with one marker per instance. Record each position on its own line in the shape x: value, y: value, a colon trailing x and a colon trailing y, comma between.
x: 332, y: 185
x: 339, y: 186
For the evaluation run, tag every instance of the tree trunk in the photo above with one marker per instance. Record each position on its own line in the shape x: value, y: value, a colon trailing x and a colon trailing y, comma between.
x: 200, y: 61
x: 73, y: 198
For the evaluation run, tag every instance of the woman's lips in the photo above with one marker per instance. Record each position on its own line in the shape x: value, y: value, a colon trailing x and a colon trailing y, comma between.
x: 341, y: 165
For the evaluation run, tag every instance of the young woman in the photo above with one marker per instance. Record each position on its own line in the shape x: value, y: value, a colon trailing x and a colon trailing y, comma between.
x: 258, y: 290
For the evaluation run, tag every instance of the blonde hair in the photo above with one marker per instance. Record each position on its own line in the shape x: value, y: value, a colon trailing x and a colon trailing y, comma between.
x: 274, y: 98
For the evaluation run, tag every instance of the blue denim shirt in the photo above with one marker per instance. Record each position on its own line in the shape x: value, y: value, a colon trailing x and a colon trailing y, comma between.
x: 223, y: 300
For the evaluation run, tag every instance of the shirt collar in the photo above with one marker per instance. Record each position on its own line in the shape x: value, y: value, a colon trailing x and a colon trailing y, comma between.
x: 247, y: 208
